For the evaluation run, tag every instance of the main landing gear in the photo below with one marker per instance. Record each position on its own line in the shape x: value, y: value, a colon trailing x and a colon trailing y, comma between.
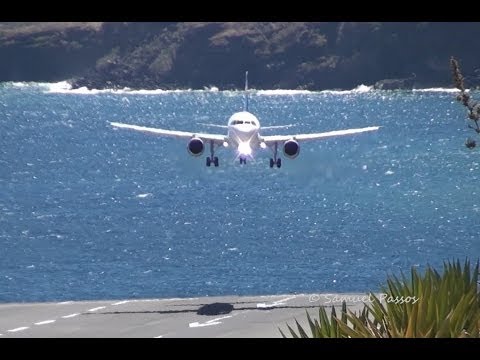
x: 212, y: 158
x: 243, y: 160
x: 275, y: 161
x: 214, y: 161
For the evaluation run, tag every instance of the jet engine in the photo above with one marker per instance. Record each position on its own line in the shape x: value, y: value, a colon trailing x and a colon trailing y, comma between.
x: 291, y: 148
x: 195, y: 146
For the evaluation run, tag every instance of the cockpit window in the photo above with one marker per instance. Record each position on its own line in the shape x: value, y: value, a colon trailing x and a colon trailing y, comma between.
x: 237, y: 122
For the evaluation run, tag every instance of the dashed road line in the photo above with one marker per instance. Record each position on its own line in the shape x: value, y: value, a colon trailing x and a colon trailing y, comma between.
x: 65, y: 302
x: 209, y: 322
x: 121, y: 302
x: 19, y: 329
x: 70, y: 316
x: 276, y: 303
x: 45, y: 322
x: 158, y: 337
x: 97, y: 308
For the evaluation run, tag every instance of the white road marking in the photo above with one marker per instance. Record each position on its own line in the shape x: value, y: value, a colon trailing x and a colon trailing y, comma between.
x: 209, y: 322
x: 263, y: 305
x: 19, y: 329
x: 121, y: 302
x: 97, y: 308
x: 65, y: 302
x: 163, y: 300
x: 70, y: 316
x: 158, y: 337
x: 45, y: 322
x: 276, y: 303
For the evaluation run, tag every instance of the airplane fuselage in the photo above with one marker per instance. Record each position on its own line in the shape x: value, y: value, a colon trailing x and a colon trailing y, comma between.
x: 243, y: 133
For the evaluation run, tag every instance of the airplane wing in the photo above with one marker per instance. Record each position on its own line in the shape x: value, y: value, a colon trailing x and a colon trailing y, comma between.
x: 277, y: 127
x: 217, y: 138
x: 214, y: 125
x: 313, y: 136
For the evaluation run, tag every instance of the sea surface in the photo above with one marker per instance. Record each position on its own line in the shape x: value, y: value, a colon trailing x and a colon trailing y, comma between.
x: 92, y: 212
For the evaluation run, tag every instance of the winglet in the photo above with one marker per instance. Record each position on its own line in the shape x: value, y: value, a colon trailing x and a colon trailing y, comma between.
x: 246, y: 91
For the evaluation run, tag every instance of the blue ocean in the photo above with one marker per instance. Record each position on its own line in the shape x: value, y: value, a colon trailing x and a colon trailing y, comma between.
x: 92, y: 212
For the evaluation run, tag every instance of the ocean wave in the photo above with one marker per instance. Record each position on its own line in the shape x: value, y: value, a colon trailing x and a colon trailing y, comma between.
x: 18, y: 84
x: 64, y: 87
x: 53, y: 87
x: 448, y: 90
x: 282, y: 92
x: 358, y: 90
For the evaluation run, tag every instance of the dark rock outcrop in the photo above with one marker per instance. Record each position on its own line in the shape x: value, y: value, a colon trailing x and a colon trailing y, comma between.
x: 396, y: 84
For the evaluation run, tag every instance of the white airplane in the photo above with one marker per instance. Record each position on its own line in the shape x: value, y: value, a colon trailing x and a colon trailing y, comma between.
x: 244, y: 137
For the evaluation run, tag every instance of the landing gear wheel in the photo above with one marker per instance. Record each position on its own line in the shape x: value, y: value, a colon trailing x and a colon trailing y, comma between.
x: 212, y: 158
x: 276, y: 160
x: 243, y: 161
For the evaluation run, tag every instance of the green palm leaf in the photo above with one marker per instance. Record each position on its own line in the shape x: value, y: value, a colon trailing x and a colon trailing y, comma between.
x: 434, y: 304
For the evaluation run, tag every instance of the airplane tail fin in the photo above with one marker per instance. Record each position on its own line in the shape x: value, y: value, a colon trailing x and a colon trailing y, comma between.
x: 246, y: 91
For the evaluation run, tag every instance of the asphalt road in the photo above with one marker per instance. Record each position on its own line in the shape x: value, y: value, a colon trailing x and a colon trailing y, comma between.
x: 226, y: 316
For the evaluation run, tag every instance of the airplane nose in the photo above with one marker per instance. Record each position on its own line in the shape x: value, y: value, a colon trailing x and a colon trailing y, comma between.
x: 247, y: 128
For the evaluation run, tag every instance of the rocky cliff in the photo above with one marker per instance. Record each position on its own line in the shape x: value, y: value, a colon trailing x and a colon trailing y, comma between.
x: 293, y: 55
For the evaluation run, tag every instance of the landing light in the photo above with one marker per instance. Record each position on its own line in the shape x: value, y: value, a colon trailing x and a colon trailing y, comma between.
x: 263, y: 145
x: 244, y: 148
x: 225, y: 144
